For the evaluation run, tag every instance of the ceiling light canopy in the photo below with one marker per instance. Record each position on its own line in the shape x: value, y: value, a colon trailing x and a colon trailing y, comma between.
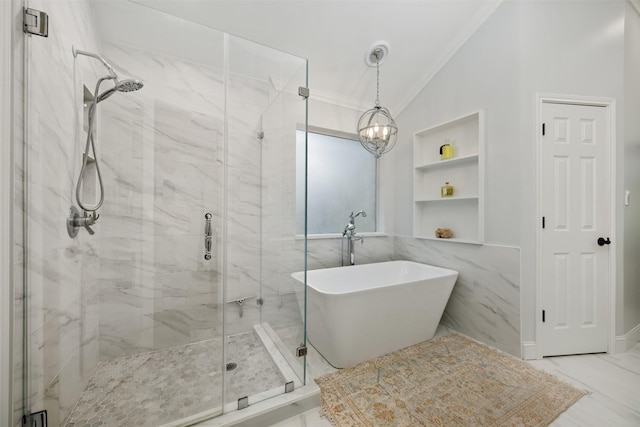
x: 377, y: 131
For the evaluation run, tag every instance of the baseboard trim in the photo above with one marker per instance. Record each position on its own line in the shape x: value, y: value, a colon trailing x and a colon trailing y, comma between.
x: 529, y: 350
x: 622, y: 345
x: 628, y: 340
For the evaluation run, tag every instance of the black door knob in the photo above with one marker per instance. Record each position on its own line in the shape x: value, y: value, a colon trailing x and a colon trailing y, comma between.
x: 602, y: 241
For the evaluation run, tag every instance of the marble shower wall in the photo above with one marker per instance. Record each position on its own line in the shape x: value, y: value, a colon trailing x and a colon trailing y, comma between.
x: 485, y: 302
x: 141, y: 282
x: 281, y: 255
x: 62, y: 288
x: 160, y: 149
x: 164, y: 148
x: 164, y: 152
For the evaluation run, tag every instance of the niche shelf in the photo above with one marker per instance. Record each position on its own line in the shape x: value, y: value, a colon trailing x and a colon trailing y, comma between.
x: 463, y: 213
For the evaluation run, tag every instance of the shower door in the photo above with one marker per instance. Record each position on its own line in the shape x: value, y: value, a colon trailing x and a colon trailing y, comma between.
x: 124, y: 320
x: 264, y: 306
x: 180, y: 305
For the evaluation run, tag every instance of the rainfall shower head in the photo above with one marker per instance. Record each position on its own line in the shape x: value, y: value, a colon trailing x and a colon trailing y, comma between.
x: 129, y: 85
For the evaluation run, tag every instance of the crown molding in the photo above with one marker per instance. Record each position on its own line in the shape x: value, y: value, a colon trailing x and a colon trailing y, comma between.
x: 339, y: 100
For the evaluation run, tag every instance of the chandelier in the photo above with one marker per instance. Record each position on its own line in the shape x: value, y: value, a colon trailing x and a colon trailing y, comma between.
x: 377, y: 131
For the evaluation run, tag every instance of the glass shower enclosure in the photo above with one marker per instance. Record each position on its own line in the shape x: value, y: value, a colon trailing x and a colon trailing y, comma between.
x: 177, y: 304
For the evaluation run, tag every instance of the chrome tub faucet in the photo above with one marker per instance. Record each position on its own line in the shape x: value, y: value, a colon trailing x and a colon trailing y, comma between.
x: 350, y: 234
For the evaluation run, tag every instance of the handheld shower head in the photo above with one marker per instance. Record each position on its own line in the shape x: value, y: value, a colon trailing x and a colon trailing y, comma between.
x: 129, y: 85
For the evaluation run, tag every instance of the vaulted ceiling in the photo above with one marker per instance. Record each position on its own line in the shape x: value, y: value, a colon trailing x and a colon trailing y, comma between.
x: 333, y: 35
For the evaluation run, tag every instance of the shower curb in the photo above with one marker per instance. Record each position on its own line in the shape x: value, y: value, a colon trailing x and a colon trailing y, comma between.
x: 263, y: 413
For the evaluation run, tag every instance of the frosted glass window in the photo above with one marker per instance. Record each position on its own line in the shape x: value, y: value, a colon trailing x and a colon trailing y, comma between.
x: 341, y: 180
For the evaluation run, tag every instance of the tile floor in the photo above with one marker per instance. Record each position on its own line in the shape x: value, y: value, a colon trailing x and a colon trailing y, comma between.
x: 150, y: 389
x: 612, y: 380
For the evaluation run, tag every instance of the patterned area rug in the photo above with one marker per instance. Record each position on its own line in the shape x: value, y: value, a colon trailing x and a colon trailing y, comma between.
x: 448, y: 381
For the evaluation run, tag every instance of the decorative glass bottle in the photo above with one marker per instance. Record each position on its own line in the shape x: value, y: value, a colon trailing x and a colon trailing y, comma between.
x: 446, y: 190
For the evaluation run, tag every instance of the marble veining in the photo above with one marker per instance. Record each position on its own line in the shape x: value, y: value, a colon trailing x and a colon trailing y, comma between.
x: 485, y: 302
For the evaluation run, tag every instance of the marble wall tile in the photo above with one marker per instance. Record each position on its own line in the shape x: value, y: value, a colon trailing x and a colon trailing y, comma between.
x: 485, y: 302
x: 61, y: 295
x: 326, y: 253
x: 129, y: 335
x: 17, y: 344
x: 156, y: 276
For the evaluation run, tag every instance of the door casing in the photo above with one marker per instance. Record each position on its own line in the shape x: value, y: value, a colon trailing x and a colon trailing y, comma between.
x: 610, y: 105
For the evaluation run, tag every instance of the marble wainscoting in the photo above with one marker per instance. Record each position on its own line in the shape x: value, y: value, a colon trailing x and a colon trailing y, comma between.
x: 328, y: 252
x: 485, y: 302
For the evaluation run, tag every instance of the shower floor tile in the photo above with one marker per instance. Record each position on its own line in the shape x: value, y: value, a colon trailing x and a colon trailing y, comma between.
x: 155, y: 388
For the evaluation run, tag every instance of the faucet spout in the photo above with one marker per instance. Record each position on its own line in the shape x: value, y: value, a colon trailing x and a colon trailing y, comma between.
x: 352, y: 216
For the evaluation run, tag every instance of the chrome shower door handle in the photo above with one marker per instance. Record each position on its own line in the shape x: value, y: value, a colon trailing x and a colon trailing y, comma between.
x: 207, y: 248
x: 207, y: 235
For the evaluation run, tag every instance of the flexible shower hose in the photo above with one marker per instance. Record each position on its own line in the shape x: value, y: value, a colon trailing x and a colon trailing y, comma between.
x: 91, y: 144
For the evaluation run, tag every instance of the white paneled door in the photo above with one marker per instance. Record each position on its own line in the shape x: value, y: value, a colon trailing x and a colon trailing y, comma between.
x: 575, y: 204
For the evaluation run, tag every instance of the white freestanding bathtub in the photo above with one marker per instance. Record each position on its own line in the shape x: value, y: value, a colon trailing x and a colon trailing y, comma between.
x: 359, y: 312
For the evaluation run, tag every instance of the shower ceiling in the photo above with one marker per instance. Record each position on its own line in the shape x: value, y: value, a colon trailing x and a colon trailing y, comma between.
x: 333, y: 35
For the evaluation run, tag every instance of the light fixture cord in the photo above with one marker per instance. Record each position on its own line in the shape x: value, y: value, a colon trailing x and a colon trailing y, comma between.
x: 376, y: 53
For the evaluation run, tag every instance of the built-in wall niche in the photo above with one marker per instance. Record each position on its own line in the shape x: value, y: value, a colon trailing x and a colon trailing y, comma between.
x: 90, y: 182
x: 462, y: 212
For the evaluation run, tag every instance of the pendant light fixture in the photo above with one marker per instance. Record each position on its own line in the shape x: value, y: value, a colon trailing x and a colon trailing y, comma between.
x: 377, y: 131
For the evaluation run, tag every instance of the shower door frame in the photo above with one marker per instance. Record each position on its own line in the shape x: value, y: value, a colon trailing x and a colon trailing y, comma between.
x: 6, y: 217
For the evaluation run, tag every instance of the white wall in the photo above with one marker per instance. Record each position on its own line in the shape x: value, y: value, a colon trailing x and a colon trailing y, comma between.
x: 631, y: 291
x: 484, y: 74
x: 571, y: 48
x: 523, y: 48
